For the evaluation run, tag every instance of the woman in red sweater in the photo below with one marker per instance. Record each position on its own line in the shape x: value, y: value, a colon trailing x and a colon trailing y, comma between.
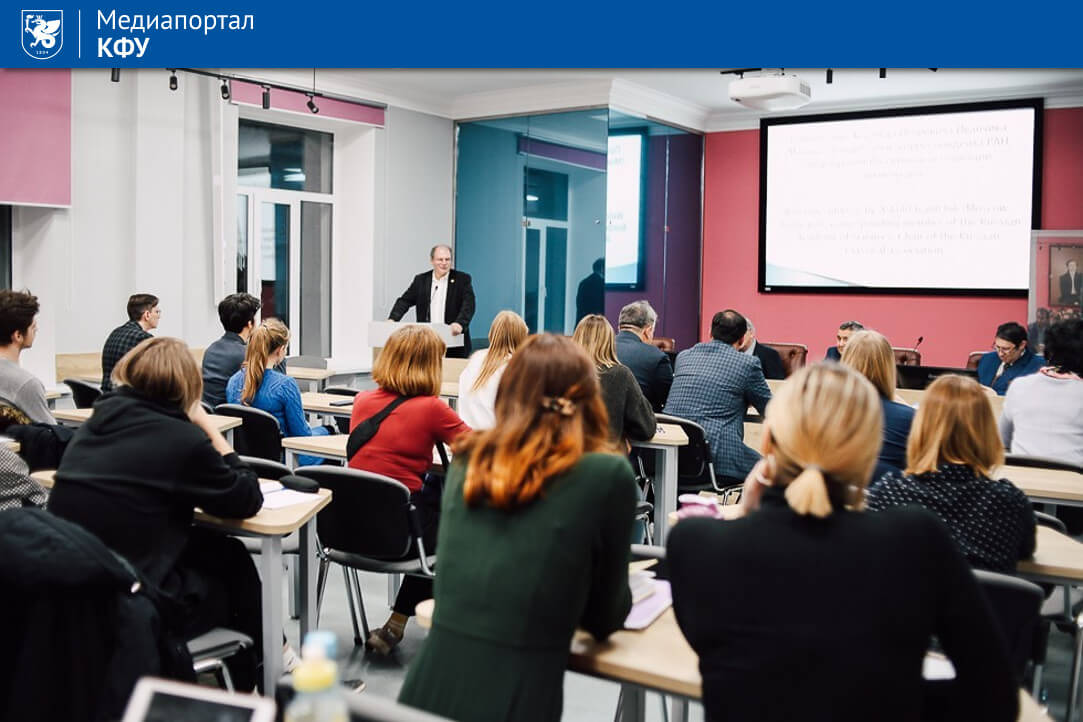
x: 408, y: 367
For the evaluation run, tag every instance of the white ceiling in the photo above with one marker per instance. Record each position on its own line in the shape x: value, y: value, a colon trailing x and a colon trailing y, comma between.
x: 695, y: 99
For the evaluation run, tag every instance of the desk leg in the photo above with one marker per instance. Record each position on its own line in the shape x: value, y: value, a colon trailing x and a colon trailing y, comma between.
x: 678, y: 709
x: 633, y: 706
x: 229, y: 436
x: 291, y: 458
x: 271, y: 580
x: 308, y: 563
x: 665, y: 491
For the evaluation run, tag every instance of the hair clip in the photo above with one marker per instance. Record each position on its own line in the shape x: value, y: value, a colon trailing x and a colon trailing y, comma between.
x: 558, y: 404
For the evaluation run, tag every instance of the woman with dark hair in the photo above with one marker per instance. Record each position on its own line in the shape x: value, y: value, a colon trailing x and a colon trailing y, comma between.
x: 1043, y: 412
x: 870, y: 589
x: 134, y: 473
x: 533, y: 543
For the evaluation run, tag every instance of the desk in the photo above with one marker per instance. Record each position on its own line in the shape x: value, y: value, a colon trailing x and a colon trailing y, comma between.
x: 76, y: 417
x: 1046, y: 486
x: 665, y: 445
x: 270, y: 525
x: 314, y: 402
x: 315, y: 378
x: 51, y: 396
x: 325, y: 447
x: 659, y: 658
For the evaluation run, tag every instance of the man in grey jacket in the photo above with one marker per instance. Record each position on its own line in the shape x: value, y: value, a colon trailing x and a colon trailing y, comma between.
x: 18, y: 327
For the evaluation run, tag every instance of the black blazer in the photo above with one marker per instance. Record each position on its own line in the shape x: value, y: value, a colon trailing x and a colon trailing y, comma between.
x: 1066, y: 296
x: 773, y: 368
x: 458, y: 308
x: 650, y: 365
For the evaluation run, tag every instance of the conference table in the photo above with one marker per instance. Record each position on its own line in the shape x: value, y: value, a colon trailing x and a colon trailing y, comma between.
x: 666, y: 442
x: 659, y: 659
x: 77, y: 417
x: 270, y: 525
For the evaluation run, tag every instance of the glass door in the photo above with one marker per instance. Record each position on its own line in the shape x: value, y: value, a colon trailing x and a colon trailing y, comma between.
x: 545, y: 275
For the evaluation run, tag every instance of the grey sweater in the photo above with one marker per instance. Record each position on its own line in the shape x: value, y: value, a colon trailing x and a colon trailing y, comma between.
x: 630, y: 414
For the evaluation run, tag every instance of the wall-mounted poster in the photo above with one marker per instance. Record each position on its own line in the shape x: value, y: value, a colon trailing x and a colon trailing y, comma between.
x: 1056, y: 287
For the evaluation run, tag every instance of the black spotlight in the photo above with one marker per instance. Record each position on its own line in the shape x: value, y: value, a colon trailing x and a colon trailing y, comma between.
x: 266, y: 98
x: 226, y: 94
x: 312, y: 104
x: 883, y: 72
x: 173, y: 81
x: 114, y: 75
x: 830, y: 76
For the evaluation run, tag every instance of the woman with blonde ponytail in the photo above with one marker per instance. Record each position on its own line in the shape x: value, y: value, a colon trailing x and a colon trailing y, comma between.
x: 259, y: 385
x: 805, y: 607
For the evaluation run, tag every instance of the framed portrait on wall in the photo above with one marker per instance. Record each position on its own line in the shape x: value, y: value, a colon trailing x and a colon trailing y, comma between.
x: 1065, y: 277
x: 1056, y: 282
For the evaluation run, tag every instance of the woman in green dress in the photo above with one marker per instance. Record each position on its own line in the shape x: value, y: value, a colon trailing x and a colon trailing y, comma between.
x: 534, y: 530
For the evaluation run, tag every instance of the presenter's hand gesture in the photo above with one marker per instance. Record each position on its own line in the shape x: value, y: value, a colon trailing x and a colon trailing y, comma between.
x: 456, y: 329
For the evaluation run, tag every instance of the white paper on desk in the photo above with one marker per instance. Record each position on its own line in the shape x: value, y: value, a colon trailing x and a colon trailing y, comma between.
x: 284, y: 497
x: 267, y: 486
x: 649, y: 609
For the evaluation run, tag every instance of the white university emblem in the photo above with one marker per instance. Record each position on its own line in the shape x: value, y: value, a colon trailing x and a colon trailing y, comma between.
x: 43, y: 33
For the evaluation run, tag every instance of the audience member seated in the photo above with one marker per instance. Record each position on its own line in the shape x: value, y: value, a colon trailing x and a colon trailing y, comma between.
x: 846, y: 330
x: 806, y: 608
x: 17, y: 488
x: 143, y: 315
x: 953, y: 450
x: 408, y: 374
x: 770, y: 359
x: 533, y: 544
x: 870, y: 354
x: 630, y: 414
x: 259, y: 385
x: 224, y: 357
x: 1010, y: 358
x: 1043, y: 412
x: 1037, y: 328
x: 650, y: 364
x: 479, y: 380
x: 18, y: 327
x: 135, y: 471
x: 713, y: 385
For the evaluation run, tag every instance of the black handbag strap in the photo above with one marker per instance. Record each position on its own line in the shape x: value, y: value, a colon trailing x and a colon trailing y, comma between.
x: 443, y: 455
x: 363, y: 432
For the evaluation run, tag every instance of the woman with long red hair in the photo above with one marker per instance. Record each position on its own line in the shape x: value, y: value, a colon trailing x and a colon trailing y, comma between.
x: 534, y: 530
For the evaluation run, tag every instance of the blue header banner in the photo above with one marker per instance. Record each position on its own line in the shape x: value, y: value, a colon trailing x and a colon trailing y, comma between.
x: 557, y: 34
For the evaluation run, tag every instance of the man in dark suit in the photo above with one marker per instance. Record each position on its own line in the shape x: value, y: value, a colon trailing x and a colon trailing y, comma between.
x: 649, y: 363
x: 846, y: 330
x: 590, y: 296
x: 445, y: 291
x: 773, y: 368
x: 1070, y: 285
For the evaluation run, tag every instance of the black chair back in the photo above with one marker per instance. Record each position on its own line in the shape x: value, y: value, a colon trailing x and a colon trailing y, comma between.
x: 82, y: 393
x: 258, y: 435
x: 267, y: 469
x: 693, y: 459
x: 1016, y: 605
x: 1041, y: 462
x: 342, y: 391
x: 369, y: 514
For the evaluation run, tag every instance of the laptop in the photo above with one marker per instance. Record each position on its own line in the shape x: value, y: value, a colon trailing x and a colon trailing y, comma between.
x: 918, y: 377
x: 162, y: 700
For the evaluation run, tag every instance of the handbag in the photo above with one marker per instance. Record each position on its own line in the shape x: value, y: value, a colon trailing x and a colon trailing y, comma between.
x: 363, y: 432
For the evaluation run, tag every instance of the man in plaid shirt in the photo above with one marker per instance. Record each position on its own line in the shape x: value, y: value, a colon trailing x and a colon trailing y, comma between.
x: 143, y: 315
x: 713, y: 385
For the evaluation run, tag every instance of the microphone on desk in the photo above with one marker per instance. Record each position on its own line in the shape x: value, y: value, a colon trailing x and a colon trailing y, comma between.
x: 920, y: 339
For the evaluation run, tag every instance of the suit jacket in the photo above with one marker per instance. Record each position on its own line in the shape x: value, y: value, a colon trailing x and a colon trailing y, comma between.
x: 650, y: 365
x: 590, y: 297
x: 713, y: 385
x: 458, y: 308
x: 1066, y: 295
x: 833, y: 354
x: 771, y: 360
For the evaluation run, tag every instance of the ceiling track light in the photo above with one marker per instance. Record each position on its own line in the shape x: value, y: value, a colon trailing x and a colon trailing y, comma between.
x: 114, y: 75
x: 312, y: 103
x: 173, y: 80
x: 266, y: 97
x: 883, y: 72
x: 226, y: 92
x: 830, y: 76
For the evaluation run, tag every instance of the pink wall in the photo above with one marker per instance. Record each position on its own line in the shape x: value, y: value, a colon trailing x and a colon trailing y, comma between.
x: 35, y: 137
x: 952, y: 326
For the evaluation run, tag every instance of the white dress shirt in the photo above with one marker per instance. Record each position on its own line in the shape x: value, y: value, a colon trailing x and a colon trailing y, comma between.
x: 438, y: 298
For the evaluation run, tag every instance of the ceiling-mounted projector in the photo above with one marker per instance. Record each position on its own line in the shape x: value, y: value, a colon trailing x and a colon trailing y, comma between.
x: 770, y: 92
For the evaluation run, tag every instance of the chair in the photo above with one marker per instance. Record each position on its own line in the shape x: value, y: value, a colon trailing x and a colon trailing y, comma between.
x: 907, y: 356
x: 306, y: 362
x: 1016, y: 604
x: 341, y: 391
x: 794, y: 355
x: 370, y: 525
x: 207, y: 407
x: 210, y: 651
x: 1041, y: 462
x: 258, y: 434
x: 83, y: 393
x: 973, y: 359
x: 695, y: 465
x: 267, y: 469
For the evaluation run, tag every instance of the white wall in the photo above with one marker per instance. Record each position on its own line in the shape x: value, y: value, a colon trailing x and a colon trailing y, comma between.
x: 153, y: 185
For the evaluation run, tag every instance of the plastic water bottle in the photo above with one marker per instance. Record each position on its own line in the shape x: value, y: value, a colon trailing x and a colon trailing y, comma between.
x: 318, y: 698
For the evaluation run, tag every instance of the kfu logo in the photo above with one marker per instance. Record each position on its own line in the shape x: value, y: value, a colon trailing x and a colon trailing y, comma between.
x: 43, y: 33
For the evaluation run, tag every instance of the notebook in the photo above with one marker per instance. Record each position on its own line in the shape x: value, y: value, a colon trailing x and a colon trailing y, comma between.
x: 161, y: 700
